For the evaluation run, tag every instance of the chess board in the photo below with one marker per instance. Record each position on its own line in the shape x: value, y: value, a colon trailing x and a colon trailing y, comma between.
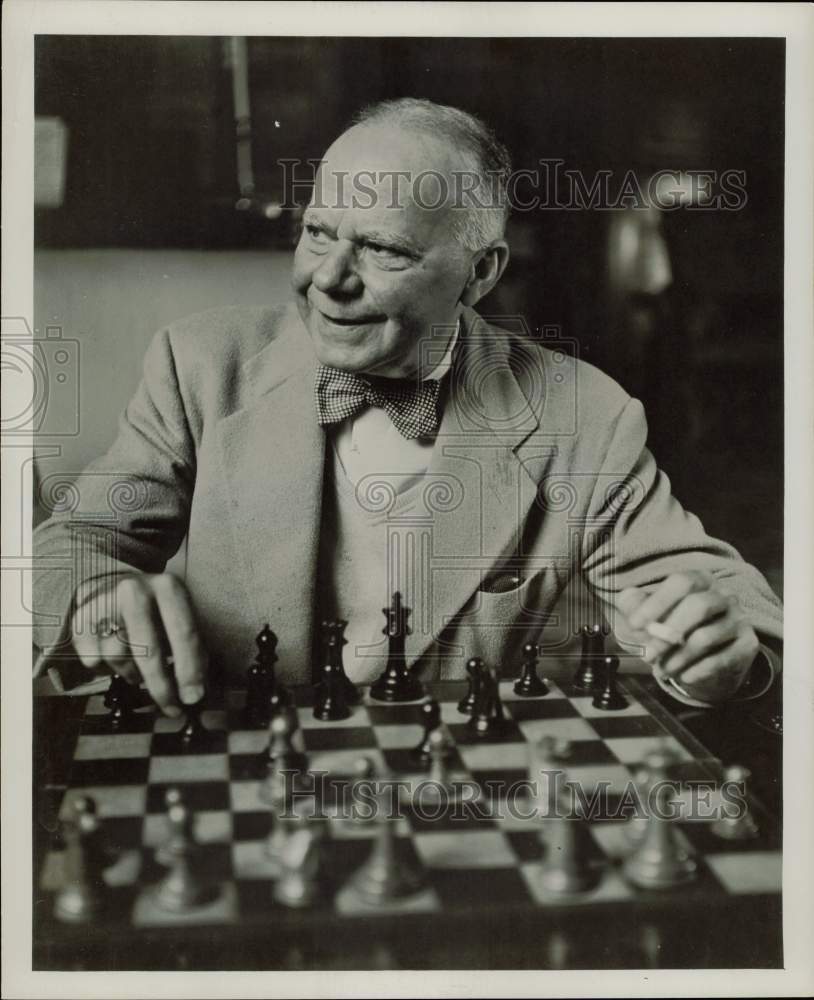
x: 481, y: 858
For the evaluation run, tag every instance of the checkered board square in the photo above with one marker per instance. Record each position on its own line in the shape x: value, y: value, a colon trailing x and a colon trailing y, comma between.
x: 485, y: 850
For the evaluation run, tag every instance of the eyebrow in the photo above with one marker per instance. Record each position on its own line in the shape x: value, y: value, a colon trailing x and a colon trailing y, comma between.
x: 390, y: 240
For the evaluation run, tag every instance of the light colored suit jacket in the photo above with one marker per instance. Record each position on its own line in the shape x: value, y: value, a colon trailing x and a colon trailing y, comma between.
x: 540, y: 471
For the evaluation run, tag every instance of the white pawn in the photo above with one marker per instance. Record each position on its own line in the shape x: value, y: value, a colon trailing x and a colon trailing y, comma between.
x: 299, y: 883
x: 182, y: 887
x: 82, y: 896
x: 741, y: 826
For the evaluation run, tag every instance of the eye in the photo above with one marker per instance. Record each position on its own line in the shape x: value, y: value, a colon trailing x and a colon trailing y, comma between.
x: 316, y: 234
x: 387, y: 256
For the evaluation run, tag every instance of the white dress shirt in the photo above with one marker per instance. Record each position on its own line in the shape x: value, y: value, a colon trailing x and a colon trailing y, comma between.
x: 369, y: 444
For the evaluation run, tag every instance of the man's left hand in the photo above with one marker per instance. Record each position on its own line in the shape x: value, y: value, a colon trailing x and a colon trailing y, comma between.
x: 700, y: 637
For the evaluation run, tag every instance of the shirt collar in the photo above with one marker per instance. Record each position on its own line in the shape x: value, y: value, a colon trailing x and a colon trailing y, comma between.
x: 445, y: 363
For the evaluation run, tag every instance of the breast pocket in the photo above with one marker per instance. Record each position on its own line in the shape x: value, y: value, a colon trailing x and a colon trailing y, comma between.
x: 508, y: 600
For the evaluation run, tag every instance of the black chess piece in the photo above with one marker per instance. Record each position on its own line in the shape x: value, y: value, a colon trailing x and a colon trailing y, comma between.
x: 488, y: 718
x: 528, y: 684
x: 334, y: 691
x: 431, y: 720
x: 260, y: 680
x: 194, y: 733
x: 593, y: 650
x: 396, y: 683
x: 610, y: 698
x: 121, y: 698
x: 82, y: 896
x: 466, y: 705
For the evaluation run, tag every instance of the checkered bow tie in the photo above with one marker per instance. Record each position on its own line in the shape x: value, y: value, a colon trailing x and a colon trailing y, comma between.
x: 412, y: 406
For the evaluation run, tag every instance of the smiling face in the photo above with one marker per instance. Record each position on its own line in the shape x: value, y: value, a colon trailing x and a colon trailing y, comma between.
x: 373, y: 278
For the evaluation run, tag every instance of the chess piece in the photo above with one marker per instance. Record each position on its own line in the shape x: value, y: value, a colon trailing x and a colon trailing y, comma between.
x: 528, y: 684
x: 396, y: 683
x: 431, y: 720
x: 547, y: 760
x: 740, y: 826
x: 488, y: 718
x: 280, y: 698
x: 636, y: 826
x: 284, y: 762
x: 183, y: 887
x: 440, y: 749
x: 260, y: 680
x: 385, y: 876
x: 466, y: 705
x: 121, y: 698
x: 659, y: 860
x: 193, y: 732
x: 300, y: 882
x: 593, y: 649
x: 82, y: 896
x: 566, y: 869
x: 334, y: 689
x: 610, y: 698
x: 172, y: 797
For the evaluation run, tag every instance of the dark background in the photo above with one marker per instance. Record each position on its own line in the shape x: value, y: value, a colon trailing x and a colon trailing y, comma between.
x: 151, y: 167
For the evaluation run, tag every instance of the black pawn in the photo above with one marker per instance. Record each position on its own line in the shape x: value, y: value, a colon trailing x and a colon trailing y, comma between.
x: 466, y: 706
x: 332, y: 690
x: 610, y: 698
x: 528, y: 684
x: 396, y: 682
x: 593, y: 649
x: 488, y: 718
x: 121, y: 698
x: 431, y: 720
x: 194, y: 732
x: 260, y: 682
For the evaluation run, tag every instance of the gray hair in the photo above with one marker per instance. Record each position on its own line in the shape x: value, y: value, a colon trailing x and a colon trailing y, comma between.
x: 485, y: 206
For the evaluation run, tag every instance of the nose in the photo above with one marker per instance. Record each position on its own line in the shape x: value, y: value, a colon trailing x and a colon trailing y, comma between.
x: 336, y: 274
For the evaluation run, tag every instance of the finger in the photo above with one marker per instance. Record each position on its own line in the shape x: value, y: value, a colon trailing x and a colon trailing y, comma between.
x: 87, y: 646
x: 629, y: 599
x: 184, y: 638
x: 730, y: 663
x: 140, y: 616
x: 116, y: 654
x: 718, y: 633
x: 667, y: 595
x: 698, y: 608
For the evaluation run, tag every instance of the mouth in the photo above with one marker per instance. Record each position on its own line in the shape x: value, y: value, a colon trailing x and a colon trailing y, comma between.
x: 351, y: 321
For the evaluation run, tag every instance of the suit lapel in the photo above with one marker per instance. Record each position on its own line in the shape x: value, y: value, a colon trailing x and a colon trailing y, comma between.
x: 273, y: 455
x: 475, y: 500
x: 478, y: 492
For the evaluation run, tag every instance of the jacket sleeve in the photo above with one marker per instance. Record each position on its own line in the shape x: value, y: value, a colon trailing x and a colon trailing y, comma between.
x: 637, y: 534
x: 127, y: 510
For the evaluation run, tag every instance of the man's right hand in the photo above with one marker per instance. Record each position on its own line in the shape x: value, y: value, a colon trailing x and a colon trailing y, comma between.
x: 143, y: 627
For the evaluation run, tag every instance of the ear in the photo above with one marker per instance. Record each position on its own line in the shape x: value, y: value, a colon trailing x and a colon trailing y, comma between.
x: 485, y: 272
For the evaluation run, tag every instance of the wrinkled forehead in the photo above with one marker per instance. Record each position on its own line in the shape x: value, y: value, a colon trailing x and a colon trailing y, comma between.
x: 377, y: 176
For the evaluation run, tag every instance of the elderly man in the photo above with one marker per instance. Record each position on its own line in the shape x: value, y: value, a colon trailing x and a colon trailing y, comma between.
x: 381, y: 436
